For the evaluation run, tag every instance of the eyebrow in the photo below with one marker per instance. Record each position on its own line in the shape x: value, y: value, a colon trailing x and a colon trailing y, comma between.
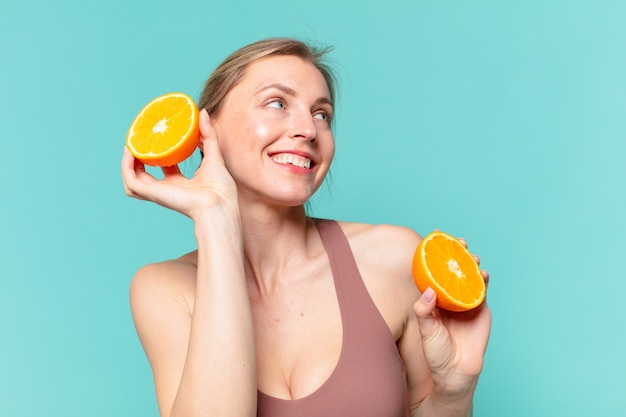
x: 278, y: 86
x: 290, y: 91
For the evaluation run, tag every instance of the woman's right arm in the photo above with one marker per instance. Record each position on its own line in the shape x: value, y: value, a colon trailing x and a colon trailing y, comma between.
x: 202, y: 356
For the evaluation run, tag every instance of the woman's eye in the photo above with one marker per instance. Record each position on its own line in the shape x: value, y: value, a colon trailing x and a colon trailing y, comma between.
x: 322, y: 116
x: 277, y: 104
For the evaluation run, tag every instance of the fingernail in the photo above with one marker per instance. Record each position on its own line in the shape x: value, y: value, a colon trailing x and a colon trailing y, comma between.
x: 428, y: 295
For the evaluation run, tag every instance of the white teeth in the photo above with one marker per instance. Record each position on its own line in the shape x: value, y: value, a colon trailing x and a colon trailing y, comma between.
x: 295, y: 160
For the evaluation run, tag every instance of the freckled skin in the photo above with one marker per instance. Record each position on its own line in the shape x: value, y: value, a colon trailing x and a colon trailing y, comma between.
x: 251, y: 125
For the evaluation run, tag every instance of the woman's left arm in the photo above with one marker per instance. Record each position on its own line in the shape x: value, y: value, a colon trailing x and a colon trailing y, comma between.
x: 452, y: 347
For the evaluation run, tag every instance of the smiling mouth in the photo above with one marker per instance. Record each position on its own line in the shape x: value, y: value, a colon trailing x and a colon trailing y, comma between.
x: 291, y: 159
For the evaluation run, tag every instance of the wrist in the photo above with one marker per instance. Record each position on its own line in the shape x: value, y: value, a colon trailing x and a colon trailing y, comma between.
x: 449, y: 400
x: 218, y: 221
x: 450, y: 389
x: 443, y: 402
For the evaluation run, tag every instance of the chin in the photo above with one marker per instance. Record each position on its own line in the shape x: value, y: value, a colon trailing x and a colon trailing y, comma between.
x: 280, y: 194
x: 292, y: 198
x: 292, y: 201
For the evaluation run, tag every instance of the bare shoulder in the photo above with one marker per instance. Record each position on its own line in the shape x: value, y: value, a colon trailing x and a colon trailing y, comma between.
x: 384, y: 256
x: 388, y: 246
x: 171, y: 279
x: 161, y: 298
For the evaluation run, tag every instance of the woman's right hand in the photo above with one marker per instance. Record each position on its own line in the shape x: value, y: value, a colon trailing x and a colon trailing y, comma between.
x: 211, y: 185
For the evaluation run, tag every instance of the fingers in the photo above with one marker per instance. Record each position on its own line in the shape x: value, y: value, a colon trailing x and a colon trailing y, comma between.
x: 171, y: 171
x: 133, y: 167
x: 212, y: 151
x: 138, y: 166
x: 209, y: 142
x: 424, y: 310
x: 129, y: 167
x: 207, y: 131
x: 127, y: 160
x: 205, y: 126
x: 134, y: 176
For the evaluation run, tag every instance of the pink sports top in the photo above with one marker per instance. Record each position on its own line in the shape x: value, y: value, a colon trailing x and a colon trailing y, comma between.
x: 369, y: 378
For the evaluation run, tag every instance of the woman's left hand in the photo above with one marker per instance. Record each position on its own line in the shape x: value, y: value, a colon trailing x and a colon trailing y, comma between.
x: 454, y: 343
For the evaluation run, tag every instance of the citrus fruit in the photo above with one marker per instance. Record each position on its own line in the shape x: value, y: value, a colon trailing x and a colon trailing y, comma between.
x: 165, y: 132
x: 442, y: 263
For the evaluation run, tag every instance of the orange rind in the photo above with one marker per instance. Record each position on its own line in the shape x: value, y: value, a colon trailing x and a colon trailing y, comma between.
x: 444, y: 264
x: 165, y: 132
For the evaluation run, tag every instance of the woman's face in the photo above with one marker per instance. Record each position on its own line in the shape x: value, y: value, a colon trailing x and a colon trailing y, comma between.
x: 274, y: 131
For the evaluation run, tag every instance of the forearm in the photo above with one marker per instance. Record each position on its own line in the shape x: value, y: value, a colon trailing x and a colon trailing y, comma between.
x: 219, y: 375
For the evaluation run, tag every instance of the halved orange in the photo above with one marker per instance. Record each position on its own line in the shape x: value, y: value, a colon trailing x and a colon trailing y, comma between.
x: 442, y: 263
x: 165, y: 132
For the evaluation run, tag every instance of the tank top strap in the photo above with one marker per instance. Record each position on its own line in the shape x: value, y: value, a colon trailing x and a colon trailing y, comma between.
x: 369, y: 378
x: 355, y: 302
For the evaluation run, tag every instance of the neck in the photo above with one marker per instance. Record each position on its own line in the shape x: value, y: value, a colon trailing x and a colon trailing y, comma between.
x: 274, y: 240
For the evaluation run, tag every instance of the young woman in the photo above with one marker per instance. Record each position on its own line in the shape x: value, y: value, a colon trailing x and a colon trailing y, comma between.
x: 278, y: 314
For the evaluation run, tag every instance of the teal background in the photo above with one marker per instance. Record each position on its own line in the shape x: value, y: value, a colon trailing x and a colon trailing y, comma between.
x: 502, y: 122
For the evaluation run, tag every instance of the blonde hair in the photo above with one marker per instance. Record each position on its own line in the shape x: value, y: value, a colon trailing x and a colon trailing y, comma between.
x: 233, y: 68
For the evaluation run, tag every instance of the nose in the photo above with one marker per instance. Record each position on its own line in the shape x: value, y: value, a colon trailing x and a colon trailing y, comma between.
x: 303, y: 127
